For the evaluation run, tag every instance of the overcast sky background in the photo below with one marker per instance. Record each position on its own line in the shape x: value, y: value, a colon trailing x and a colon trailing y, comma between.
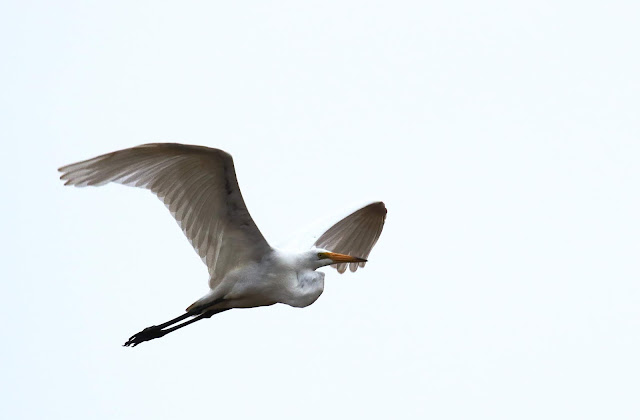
x: 503, y: 137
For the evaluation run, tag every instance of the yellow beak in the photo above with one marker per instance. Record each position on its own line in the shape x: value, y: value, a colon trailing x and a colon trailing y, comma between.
x: 338, y: 258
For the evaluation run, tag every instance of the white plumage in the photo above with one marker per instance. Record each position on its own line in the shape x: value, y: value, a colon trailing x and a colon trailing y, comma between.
x: 199, y: 187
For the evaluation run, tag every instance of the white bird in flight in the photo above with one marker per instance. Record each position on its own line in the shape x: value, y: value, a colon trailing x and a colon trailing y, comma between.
x: 199, y: 186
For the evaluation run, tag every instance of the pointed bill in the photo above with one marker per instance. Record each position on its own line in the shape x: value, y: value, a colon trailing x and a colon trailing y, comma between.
x: 342, y: 258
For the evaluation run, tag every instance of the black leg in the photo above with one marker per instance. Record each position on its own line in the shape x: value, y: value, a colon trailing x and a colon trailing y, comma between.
x: 174, y: 320
x: 157, y: 331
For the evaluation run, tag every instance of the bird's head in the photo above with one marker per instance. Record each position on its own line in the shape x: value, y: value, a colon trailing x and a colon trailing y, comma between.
x: 322, y: 257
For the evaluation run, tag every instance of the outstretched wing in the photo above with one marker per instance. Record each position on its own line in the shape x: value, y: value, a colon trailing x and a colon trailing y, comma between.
x: 197, y: 184
x: 355, y: 235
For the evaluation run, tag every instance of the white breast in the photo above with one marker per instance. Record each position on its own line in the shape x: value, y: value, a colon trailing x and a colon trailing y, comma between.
x: 309, y: 287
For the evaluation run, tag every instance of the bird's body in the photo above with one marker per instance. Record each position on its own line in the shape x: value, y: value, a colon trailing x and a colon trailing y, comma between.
x: 280, y: 277
x: 199, y: 186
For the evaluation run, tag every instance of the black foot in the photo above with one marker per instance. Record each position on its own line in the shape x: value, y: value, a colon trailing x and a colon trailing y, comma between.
x: 147, y: 334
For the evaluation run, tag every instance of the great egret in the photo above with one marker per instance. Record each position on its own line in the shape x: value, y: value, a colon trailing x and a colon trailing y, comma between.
x: 199, y: 186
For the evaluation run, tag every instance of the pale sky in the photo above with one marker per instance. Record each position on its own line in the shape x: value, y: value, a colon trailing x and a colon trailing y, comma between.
x: 502, y: 136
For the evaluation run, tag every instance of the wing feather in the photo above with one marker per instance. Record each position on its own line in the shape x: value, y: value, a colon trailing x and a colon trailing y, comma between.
x: 355, y: 235
x: 199, y: 187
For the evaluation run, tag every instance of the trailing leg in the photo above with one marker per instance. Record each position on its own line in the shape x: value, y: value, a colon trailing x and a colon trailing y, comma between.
x: 157, y: 331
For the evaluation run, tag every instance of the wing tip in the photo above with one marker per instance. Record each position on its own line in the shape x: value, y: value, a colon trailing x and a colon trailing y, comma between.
x: 379, y: 206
